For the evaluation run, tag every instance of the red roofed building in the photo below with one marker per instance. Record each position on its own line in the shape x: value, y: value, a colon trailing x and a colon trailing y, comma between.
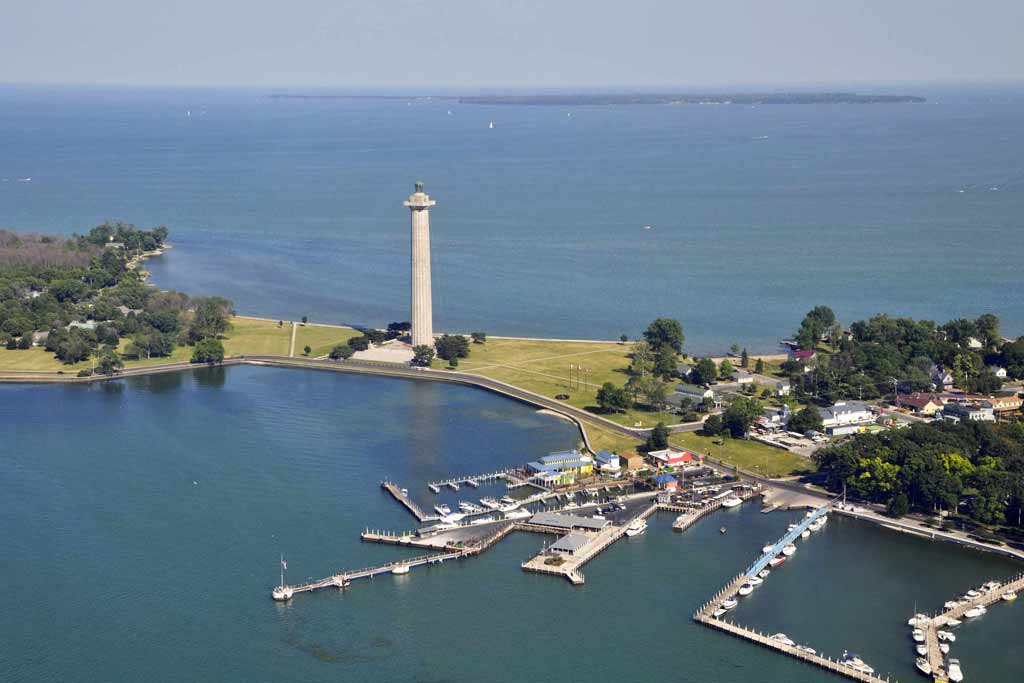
x: 671, y: 457
x: 922, y: 404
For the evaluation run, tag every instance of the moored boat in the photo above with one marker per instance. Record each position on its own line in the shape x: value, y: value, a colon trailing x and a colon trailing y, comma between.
x: 442, y: 510
x: 953, y: 622
x: 731, y: 502
x: 746, y: 589
x: 776, y: 561
x: 784, y: 639
x: 922, y: 649
x: 808, y: 650
x: 789, y: 550
x: 975, y: 612
x: 1009, y: 596
x: 805, y: 533
x: 917, y: 619
x: 400, y: 569
x: 854, y: 662
x: 755, y: 581
x: 946, y: 635
x: 955, y: 673
x: 944, y: 648
x: 636, y: 527
x: 490, y: 503
x: 763, y: 574
x: 918, y: 635
x: 923, y: 666
x: 766, y: 548
x: 730, y: 603
x: 719, y: 612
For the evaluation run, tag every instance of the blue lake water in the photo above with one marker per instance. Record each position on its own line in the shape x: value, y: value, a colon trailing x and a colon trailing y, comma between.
x: 144, y: 518
x: 756, y: 214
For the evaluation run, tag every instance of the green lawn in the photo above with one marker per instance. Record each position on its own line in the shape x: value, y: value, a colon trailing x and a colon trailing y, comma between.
x: 748, y: 455
x: 322, y: 338
x: 542, y: 367
x: 606, y: 439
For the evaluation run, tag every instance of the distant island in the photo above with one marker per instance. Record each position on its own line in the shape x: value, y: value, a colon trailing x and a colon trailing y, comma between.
x: 607, y: 99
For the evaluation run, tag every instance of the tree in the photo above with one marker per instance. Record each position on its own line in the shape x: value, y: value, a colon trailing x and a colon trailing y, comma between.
x: 210, y: 319
x: 898, y: 505
x: 108, y: 361
x: 704, y: 372
x: 657, y: 439
x: 712, y: 425
x: 341, y: 352
x: 759, y: 366
x: 655, y: 392
x: 452, y: 346
x: 11, y: 344
x: 478, y: 337
x: 453, y: 362
x: 306, y: 350
x: 304, y: 319
x: 208, y: 350
x: 612, y: 398
x: 665, y: 363
x: 744, y: 359
x: 665, y: 332
x: 740, y: 415
x: 734, y: 350
x: 422, y: 355
x: 814, y: 326
x: 641, y: 360
x: 25, y: 342
x: 359, y: 343
x: 725, y: 370
x: 623, y: 338
x: 806, y: 420
x: 377, y: 337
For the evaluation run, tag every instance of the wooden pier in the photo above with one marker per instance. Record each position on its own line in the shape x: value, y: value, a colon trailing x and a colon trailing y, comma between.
x: 344, y: 578
x: 932, y: 626
x: 691, y: 516
x: 473, y: 480
x: 405, y: 500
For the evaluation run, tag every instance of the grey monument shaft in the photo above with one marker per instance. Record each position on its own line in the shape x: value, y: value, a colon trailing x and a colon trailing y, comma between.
x: 422, y: 304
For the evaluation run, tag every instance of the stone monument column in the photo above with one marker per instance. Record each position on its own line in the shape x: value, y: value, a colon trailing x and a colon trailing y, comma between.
x: 422, y: 304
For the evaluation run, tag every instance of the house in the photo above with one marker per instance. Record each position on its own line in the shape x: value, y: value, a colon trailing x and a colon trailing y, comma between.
x: 631, y: 461
x: 670, y: 457
x: 125, y: 310
x: 805, y: 356
x: 569, y: 545
x: 782, y: 389
x: 998, y: 371
x: 87, y: 325
x: 974, y: 343
x: 742, y: 377
x: 666, y: 482
x: 39, y: 338
x: 683, y: 369
x: 845, y: 418
x: 607, y: 462
x: 696, y: 394
x: 921, y: 404
x: 941, y: 378
x: 774, y: 420
x: 975, y: 412
x: 1005, y: 405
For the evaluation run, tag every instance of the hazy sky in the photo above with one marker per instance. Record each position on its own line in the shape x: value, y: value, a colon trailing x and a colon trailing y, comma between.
x: 509, y: 42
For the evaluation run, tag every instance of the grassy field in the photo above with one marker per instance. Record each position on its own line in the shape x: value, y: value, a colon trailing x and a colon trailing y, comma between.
x: 605, y: 439
x: 748, y: 455
x: 543, y: 368
x: 321, y: 338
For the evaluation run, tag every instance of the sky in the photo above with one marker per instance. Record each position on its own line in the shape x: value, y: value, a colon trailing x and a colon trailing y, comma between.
x: 417, y: 44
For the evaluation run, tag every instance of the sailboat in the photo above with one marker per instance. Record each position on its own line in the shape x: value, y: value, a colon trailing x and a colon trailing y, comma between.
x: 282, y: 592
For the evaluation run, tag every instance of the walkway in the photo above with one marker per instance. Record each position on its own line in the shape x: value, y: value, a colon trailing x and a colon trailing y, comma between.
x: 291, y: 348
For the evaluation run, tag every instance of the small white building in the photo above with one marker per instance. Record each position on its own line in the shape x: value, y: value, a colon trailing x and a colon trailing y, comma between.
x: 974, y: 412
x: 783, y: 389
x: 846, y: 418
x: 998, y: 371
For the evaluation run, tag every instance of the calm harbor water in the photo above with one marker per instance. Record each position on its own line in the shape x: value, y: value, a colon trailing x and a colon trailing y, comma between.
x: 144, y: 519
x: 756, y: 214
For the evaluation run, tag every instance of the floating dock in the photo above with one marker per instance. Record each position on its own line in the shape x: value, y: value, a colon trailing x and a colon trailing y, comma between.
x: 473, y: 480
x: 691, y: 515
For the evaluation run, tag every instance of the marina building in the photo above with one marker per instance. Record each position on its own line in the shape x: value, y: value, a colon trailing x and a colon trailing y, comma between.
x: 669, y: 457
x: 608, y: 462
x: 570, y: 464
x: 568, y: 522
x: 846, y: 418
x: 569, y: 545
x: 666, y: 482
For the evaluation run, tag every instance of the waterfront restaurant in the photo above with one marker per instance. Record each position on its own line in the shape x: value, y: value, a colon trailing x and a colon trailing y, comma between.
x: 569, y: 545
x: 571, y: 463
x: 666, y: 482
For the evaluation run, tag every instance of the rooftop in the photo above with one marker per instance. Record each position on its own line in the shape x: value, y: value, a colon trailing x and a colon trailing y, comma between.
x: 568, y: 521
x: 570, y: 543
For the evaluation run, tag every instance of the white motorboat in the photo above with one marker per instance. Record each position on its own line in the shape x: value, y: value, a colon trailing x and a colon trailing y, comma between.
x: 854, y: 662
x: 282, y: 593
x: 636, y: 527
x: 442, y: 510
x: 791, y: 527
x: 784, y: 639
x: 731, y: 502
x: 975, y: 612
x: 955, y: 674
x: 730, y: 603
x: 808, y: 650
x: 509, y: 507
x: 766, y: 548
x: 400, y: 569
x: 1010, y: 596
x: 953, y: 622
x: 923, y: 666
x: 453, y: 518
x: 746, y: 589
x: 518, y: 514
x: 917, y: 619
x: 483, y: 520
x: 755, y: 581
x: 805, y: 533
x: 508, y: 499
x: 952, y: 604
x: 467, y: 507
x: 490, y: 503
x: 971, y: 594
x: 918, y: 635
x: 946, y: 635
x: 777, y: 561
x: 789, y: 550
x: 922, y: 649
x: 944, y: 648
x: 571, y: 506
x: 763, y: 574
x: 718, y: 612
x: 991, y: 585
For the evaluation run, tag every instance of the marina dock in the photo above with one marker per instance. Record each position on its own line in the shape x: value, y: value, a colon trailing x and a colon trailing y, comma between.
x: 344, y: 578
x: 571, y: 564
x: 691, y: 516
x: 932, y: 627
x: 474, y: 480
x: 405, y: 500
